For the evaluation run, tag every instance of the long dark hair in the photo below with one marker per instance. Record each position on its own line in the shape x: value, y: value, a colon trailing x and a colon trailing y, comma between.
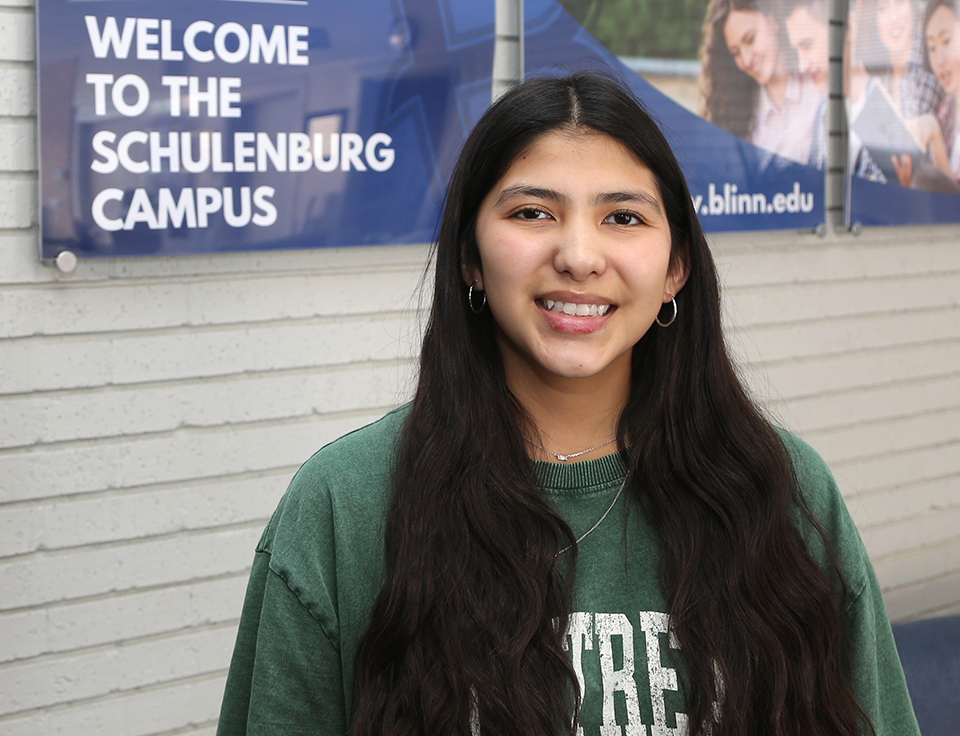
x: 470, y: 622
x: 729, y: 95
x: 932, y: 7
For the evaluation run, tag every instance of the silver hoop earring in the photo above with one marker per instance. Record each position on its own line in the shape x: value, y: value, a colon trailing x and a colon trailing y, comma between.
x: 470, y: 299
x: 673, y: 300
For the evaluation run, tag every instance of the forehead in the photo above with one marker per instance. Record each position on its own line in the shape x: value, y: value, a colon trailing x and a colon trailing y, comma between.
x: 740, y: 22
x: 804, y: 16
x: 941, y: 18
x: 571, y: 159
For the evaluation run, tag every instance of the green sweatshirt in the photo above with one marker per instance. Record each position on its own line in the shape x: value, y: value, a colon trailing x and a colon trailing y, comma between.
x: 319, y: 567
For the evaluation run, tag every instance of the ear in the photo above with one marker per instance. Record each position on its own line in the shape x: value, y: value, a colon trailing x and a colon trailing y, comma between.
x: 676, y: 279
x: 472, y: 276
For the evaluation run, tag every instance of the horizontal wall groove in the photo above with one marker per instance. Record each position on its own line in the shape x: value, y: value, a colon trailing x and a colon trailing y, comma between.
x: 129, y: 282
x: 118, y: 644
x: 15, y: 64
x: 114, y: 594
x: 867, y: 492
x: 220, y: 378
x: 885, y: 419
x: 926, y: 580
x: 197, y: 429
x: 132, y: 542
x: 896, y: 453
x: 926, y: 513
x: 827, y: 319
x: 801, y: 359
x: 186, y: 730
x: 127, y: 491
x: 868, y: 388
x: 774, y: 243
x: 900, y: 553
x: 28, y: 175
x: 116, y: 694
x: 732, y: 290
x: 206, y: 328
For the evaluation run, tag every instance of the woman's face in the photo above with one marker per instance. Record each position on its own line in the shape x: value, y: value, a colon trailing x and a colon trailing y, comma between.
x: 810, y: 38
x: 575, y: 250
x: 895, y: 29
x: 753, y: 41
x: 943, y: 46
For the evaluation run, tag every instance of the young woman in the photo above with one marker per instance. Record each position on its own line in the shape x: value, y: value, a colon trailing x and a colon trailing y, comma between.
x: 941, y: 27
x: 581, y: 524
x: 889, y: 48
x: 749, y: 81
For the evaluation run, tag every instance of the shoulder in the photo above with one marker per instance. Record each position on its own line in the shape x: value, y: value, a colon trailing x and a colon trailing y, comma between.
x: 339, y: 497
x: 361, y: 459
x: 822, y: 516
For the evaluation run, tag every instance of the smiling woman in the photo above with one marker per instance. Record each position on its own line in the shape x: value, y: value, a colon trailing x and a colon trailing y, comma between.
x: 750, y: 82
x: 575, y: 251
x: 448, y: 571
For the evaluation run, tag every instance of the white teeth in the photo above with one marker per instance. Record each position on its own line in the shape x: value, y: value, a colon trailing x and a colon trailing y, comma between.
x: 578, y: 310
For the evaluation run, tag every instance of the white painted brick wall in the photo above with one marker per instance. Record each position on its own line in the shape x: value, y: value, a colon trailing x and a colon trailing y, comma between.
x: 854, y: 343
x: 153, y: 410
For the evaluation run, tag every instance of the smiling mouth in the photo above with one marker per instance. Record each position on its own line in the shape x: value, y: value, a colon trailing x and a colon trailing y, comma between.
x: 573, y: 309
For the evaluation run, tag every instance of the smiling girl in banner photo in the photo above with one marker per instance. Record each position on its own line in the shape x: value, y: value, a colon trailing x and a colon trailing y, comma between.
x: 581, y: 524
x: 941, y: 29
x: 750, y: 81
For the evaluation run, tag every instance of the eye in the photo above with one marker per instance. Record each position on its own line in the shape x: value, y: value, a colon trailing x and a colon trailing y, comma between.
x: 530, y: 213
x: 624, y: 218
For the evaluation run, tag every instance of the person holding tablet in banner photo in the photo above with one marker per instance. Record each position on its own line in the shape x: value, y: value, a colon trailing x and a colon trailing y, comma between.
x: 581, y: 524
x: 893, y: 111
x: 941, y: 30
x: 750, y: 82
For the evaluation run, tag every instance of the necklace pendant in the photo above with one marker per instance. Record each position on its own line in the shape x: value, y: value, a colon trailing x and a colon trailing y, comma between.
x: 563, y: 458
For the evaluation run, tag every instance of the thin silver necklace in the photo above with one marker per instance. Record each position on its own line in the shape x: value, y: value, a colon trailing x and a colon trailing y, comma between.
x: 600, y: 520
x: 564, y: 458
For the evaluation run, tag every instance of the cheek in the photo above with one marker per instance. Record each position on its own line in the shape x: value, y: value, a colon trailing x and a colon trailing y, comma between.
x: 506, y: 259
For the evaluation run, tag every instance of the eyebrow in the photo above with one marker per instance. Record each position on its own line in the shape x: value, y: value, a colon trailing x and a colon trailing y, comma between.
x: 552, y: 195
x: 523, y: 190
x: 637, y: 196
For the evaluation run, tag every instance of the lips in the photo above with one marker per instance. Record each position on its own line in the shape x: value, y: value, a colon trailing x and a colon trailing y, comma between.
x: 575, y: 314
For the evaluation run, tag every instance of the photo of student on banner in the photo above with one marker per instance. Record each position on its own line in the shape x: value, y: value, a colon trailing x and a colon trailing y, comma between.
x: 760, y: 83
x: 894, y: 100
x: 941, y: 29
x: 740, y: 84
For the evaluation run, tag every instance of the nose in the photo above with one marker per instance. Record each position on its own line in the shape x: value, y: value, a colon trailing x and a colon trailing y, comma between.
x: 579, y: 251
x: 937, y: 58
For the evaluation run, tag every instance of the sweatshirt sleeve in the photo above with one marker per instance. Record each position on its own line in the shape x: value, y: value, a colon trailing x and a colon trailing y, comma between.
x: 285, y: 677
x: 878, y: 679
x: 878, y: 675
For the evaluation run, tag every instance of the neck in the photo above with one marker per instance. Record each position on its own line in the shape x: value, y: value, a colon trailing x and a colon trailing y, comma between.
x: 570, y: 415
x: 777, y: 88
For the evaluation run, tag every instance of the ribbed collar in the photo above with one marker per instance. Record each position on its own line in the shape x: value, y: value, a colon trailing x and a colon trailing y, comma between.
x: 574, y: 479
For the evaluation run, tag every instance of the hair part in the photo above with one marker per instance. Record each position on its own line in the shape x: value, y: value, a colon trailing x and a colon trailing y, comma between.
x: 470, y: 622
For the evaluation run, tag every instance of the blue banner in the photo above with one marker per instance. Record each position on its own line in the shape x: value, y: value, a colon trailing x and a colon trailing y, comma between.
x: 230, y: 125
